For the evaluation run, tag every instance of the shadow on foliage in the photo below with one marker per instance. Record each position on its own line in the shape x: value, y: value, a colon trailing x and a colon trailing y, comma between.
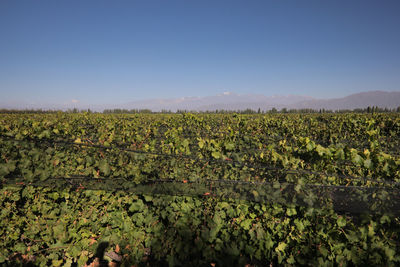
x: 19, y: 264
x: 98, y: 259
x: 181, y: 246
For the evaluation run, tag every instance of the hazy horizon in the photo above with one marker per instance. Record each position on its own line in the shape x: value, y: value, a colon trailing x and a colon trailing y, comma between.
x: 74, y: 53
x: 232, y: 101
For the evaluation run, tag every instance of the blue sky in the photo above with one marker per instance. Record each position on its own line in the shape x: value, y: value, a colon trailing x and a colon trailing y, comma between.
x: 60, y: 52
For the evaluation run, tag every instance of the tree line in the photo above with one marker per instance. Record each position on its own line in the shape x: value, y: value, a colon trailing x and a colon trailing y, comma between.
x: 371, y: 110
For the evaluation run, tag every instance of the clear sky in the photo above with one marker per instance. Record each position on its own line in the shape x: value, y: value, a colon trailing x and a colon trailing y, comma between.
x: 61, y: 52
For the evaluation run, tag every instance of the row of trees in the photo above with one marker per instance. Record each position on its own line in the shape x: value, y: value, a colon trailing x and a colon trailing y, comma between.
x: 259, y: 111
x: 218, y: 111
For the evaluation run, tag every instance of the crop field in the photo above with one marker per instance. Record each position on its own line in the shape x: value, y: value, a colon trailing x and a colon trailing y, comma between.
x: 200, y: 189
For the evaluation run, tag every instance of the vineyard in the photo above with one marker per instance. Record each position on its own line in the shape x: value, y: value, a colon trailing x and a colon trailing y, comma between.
x: 201, y: 190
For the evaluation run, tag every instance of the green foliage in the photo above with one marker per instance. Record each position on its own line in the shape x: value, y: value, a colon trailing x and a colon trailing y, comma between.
x: 65, y: 226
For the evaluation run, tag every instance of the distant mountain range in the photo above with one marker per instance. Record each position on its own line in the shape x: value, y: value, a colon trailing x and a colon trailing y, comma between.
x: 232, y: 101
